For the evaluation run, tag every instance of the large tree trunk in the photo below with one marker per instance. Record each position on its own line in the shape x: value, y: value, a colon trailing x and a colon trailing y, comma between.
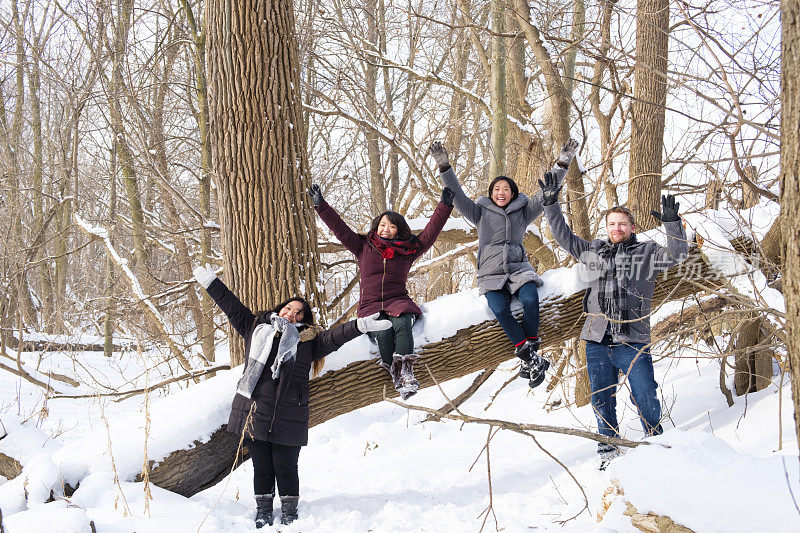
x: 790, y: 189
x: 362, y: 383
x: 259, y: 154
x: 499, y: 101
x: 648, y: 110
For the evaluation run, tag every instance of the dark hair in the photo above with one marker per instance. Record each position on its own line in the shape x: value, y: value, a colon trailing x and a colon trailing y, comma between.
x: 511, y: 183
x: 403, y: 231
x: 623, y: 210
x: 308, y: 314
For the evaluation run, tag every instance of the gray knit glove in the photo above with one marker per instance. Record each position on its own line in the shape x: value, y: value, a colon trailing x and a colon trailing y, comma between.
x: 439, y: 154
x: 371, y: 323
x: 567, y: 153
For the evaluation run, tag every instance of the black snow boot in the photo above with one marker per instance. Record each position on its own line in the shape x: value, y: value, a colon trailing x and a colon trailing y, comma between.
x: 523, y: 352
x: 289, y: 509
x: 264, y: 510
x: 538, y: 365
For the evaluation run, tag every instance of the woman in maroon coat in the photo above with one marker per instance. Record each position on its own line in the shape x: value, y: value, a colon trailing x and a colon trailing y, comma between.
x: 385, y: 255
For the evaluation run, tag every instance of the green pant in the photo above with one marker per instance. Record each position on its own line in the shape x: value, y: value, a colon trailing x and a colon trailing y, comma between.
x: 396, y: 340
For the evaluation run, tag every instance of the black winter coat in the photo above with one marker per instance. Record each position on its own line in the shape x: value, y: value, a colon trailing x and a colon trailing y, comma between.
x: 281, y: 409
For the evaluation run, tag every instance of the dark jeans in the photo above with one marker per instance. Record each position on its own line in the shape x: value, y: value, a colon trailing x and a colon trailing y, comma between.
x: 396, y: 340
x: 604, y: 361
x: 271, y: 462
x: 500, y: 304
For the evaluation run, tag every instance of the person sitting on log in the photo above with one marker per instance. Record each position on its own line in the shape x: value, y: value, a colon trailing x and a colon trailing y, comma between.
x: 621, y: 272
x: 504, y: 271
x: 385, y: 255
x: 270, y: 408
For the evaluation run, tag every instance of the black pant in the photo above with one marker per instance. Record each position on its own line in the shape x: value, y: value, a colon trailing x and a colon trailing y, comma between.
x: 271, y: 462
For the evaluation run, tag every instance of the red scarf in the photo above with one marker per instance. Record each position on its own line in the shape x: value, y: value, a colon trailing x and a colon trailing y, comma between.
x: 389, y: 247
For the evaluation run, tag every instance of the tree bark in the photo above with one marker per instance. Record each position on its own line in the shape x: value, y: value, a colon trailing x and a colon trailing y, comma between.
x: 259, y: 154
x: 648, y: 111
x: 499, y: 100
x: 790, y: 189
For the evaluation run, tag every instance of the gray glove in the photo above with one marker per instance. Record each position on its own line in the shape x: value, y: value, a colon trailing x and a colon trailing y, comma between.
x: 439, y: 153
x: 567, y: 153
x: 550, y: 188
x: 204, y: 275
x: 669, y: 209
x: 316, y: 194
x: 371, y: 323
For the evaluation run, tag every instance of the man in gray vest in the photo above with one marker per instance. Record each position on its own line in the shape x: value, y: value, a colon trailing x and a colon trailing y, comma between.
x: 621, y: 271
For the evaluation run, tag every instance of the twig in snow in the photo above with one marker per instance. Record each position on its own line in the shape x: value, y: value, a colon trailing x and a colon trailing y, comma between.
x: 490, y: 507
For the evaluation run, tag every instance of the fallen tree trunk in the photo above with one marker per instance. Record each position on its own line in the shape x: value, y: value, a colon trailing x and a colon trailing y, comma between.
x: 363, y: 383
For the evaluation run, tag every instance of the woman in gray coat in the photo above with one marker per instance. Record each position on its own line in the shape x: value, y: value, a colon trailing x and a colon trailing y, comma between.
x: 504, y: 271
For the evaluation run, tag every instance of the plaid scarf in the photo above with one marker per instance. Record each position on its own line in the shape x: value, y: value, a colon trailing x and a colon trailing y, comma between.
x: 613, y: 292
x: 389, y: 247
x: 260, y: 348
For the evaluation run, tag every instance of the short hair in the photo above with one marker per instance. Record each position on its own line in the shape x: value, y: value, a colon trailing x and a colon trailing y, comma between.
x: 511, y: 185
x: 623, y: 210
x: 403, y: 231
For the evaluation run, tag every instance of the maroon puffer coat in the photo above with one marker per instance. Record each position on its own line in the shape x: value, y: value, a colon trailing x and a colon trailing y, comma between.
x: 383, y: 281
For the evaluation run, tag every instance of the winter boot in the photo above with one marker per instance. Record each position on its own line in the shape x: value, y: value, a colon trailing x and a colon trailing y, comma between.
x: 607, y: 453
x: 523, y: 352
x: 538, y: 364
x: 264, y: 510
x: 289, y: 509
x: 409, y: 383
x: 393, y: 370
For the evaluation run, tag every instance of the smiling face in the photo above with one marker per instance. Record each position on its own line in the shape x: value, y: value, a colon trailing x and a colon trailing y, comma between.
x: 501, y: 193
x: 292, y: 311
x: 386, y: 229
x: 619, y: 227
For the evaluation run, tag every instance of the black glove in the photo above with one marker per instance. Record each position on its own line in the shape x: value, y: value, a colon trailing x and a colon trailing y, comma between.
x: 439, y: 154
x: 669, y: 209
x: 448, y: 195
x: 550, y: 188
x: 316, y: 194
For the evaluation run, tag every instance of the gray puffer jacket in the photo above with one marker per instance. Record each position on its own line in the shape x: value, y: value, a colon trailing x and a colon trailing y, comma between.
x: 645, y: 260
x: 502, y: 258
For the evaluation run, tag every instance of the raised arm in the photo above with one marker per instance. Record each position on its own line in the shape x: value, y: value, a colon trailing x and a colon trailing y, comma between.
x: 349, y: 238
x: 535, y: 205
x: 677, y: 246
x: 434, y: 226
x: 240, y: 316
x: 565, y: 156
x: 463, y: 203
x: 333, y: 339
x: 574, y: 245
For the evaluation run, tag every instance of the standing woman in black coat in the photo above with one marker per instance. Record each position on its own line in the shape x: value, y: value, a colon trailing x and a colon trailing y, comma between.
x: 271, y: 403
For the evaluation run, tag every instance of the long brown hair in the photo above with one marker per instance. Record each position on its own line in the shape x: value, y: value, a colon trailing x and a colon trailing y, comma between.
x: 403, y: 231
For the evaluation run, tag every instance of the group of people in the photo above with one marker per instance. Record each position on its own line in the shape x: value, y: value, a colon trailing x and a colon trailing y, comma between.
x: 283, y: 346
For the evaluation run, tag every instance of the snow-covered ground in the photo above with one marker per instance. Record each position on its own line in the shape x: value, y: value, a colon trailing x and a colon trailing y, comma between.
x: 382, y: 468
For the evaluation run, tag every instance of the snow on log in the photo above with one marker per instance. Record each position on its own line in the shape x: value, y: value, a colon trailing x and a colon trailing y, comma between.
x: 361, y: 383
